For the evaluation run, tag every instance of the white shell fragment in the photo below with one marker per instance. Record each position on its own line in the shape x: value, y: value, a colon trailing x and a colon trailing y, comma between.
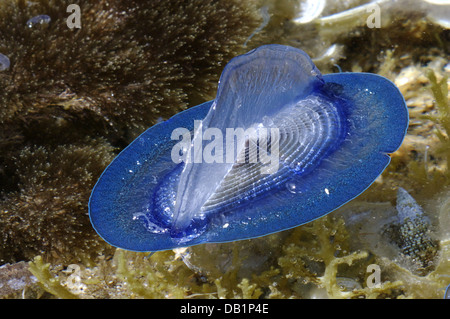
x: 356, y: 15
x: 439, y: 12
x: 310, y: 10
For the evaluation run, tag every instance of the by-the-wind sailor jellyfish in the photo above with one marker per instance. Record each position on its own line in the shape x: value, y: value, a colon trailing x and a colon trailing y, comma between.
x: 279, y: 146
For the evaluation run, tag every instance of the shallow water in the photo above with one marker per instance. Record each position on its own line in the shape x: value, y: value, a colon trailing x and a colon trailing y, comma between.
x: 73, y: 98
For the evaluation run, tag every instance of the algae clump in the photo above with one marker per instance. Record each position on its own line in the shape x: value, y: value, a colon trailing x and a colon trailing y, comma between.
x: 71, y: 99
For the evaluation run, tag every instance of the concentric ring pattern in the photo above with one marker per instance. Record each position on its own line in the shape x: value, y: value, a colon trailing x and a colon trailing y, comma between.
x: 251, y: 91
x: 305, y: 131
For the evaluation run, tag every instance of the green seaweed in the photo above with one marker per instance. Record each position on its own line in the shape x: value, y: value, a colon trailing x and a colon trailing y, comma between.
x: 440, y: 93
x: 316, y: 253
x: 47, y: 281
x: 314, y: 258
x: 160, y: 276
x: 432, y: 181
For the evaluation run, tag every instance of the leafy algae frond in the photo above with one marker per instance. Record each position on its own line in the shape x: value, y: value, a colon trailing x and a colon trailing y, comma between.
x: 319, y: 253
x: 440, y: 92
x: 46, y: 279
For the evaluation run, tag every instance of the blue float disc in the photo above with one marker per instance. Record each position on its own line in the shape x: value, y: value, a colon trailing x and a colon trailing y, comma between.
x: 369, y: 121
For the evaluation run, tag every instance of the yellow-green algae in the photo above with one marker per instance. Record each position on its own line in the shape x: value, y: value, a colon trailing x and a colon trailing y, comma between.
x: 313, y: 260
x: 327, y: 258
x: 49, y: 283
x: 440, y: 92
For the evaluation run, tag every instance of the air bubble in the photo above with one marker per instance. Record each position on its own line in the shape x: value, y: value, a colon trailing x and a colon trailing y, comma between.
x: 293, y: 188
x: 40, y: 19
x: 4, y: 62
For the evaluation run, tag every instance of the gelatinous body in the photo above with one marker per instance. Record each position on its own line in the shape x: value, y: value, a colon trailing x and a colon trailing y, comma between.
x: 281, y: 145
